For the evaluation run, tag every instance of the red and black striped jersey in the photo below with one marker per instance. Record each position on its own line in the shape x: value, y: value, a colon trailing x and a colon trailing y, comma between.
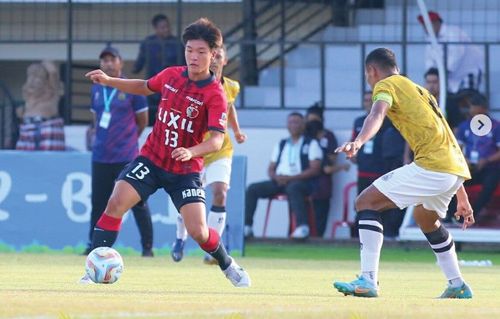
x: 186, y: 111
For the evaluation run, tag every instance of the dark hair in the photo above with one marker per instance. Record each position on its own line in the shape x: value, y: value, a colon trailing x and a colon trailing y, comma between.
x: 316, y: 109
x: 431, y: 71
x: 203, y: 29
x: 383, y: 58
x: 157, y: 18
x: 296, y: 114
x: 479, y: 100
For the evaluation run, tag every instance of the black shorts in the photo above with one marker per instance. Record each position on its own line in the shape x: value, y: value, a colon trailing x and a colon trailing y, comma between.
x: 147, y: 178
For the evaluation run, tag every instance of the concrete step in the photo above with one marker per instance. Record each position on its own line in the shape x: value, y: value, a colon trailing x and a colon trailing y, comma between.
x: 300, y: 98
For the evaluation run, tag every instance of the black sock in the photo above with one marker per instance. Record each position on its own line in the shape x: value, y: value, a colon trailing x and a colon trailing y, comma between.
x: 221, y: 255
x: 103, y: 238
x: 439, y: 240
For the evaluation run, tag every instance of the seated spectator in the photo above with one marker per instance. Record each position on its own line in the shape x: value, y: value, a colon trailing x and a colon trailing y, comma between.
x: 482, y: 154
x: 42, y: 128
x: 323, y: 191
x: 295, y: 162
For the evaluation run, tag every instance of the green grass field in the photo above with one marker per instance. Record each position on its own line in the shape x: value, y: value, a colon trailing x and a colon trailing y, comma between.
x: 288, y: 282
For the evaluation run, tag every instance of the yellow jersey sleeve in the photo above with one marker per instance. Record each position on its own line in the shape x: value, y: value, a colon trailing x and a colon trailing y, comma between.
x: 232, y: 89
x: 383, y: 92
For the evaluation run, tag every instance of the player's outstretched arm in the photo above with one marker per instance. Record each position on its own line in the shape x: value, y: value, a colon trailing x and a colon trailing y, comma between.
x: 372, y: 124
x: 235, y: 125
x: 212, y: 144
x: 132, y: 86
x: 464, y: 208
x: 373, y: 121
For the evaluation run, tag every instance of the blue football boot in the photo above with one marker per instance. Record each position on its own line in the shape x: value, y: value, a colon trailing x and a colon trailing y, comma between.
x: 177, y: 251
x: 358, y: 288
x: 463, y: 292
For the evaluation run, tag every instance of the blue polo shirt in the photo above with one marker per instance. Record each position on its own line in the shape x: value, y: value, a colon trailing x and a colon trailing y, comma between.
x: 485, y: 146
x: 118, y: 142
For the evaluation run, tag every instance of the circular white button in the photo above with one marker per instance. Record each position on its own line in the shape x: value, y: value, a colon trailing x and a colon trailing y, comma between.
x: 480, y: 125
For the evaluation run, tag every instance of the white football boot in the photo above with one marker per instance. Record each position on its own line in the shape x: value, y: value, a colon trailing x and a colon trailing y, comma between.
x: 237, y: 275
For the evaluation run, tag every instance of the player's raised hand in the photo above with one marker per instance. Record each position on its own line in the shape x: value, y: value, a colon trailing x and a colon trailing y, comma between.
x: 182, y: 154
x: 464, y: 210
x: 98, y: 76
x: 349, y: 148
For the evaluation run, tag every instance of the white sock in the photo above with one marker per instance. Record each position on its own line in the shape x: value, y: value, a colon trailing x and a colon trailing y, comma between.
x: 181, y: 228
x: 444, y: 248
x: 371, y: 238
x: 448, y: 263
x: 217, y: 219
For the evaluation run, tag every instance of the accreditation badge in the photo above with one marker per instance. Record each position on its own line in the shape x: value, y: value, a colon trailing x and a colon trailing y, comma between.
x: 105, y: 119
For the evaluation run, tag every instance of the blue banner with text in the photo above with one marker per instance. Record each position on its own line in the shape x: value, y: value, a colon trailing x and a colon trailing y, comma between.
x: 45, y: 200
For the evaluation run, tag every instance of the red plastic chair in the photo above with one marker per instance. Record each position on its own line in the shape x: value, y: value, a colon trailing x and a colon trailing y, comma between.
x: 291, y: 217
x: 474, y: 190
x: 345, y: 209
x: 492, y: 208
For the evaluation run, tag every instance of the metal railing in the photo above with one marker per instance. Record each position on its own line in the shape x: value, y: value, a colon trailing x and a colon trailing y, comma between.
x: 275, y: 42
x: 407, y: 60
x: 9, y: 126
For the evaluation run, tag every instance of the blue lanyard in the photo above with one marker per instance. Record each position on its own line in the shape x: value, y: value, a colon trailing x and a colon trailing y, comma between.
x: 107, y: 100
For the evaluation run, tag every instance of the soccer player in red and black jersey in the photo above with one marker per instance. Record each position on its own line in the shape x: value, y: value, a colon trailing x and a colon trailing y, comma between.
x: 192, y: 102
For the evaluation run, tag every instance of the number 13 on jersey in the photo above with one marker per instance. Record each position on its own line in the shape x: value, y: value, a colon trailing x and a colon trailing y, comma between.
x: 171, y: 138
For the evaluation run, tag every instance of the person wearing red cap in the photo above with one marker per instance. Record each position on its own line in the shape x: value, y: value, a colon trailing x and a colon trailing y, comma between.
x: 436, y: 21
x: 464, y: 62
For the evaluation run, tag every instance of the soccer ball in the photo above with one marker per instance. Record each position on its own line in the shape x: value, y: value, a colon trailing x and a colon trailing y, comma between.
x: 104, y: 265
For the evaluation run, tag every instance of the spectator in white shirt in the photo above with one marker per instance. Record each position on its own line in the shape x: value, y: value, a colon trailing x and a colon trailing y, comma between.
x: 295, y: 164
x: 464, y: 61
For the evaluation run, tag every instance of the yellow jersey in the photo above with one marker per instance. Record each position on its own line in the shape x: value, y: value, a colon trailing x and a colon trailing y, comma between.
x: 416, y: 115
x: 232, y: 89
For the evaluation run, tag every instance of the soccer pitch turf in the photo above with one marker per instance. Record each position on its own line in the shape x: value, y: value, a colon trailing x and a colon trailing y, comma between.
x: 287, y: 282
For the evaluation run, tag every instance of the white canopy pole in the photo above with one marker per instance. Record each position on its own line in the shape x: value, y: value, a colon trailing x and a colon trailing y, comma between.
x: 439, y: 58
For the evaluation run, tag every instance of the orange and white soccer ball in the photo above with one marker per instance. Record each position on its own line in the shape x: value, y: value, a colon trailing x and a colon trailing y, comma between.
x: 104, y: 265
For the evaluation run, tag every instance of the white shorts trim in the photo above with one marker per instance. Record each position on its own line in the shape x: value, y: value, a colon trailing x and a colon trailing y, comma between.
x: 413, y: 185
x: 218, y: 171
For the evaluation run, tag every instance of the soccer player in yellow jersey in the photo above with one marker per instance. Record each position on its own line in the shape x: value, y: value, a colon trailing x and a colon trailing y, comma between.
x: 428, y: 183
x: 217, y: 172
